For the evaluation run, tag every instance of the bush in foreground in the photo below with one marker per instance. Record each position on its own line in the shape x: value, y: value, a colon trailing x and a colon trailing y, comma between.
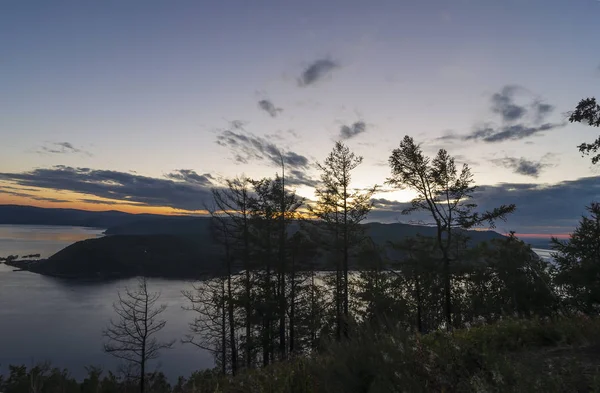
x: 559, y: 355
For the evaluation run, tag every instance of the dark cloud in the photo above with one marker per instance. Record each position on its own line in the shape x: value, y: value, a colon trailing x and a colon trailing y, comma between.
x: 21, y: 193
x: 299, y: 178
x: 119, y: 186
x: 269, y: 107
x: 545, y: 209
x: 190, y: 176
x: 514, y: 132
x: 521, y: 166
x: 382, y: 203
x: 247, y: 147
x: 542, y: 110
x: 347, y: 132
x: 317, y: 71
x: 517, y: 121
x: 503, y: 104
x: 62, y: 148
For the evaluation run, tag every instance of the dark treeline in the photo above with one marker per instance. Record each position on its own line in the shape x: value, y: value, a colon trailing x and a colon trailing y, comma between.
x: 310, y: 275
x: 297, y: 277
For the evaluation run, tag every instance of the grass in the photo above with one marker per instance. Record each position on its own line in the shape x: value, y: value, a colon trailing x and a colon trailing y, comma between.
x: 532, y: 355
x: 559, y: 355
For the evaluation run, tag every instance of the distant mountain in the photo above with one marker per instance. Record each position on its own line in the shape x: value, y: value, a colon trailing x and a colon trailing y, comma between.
x: 199, y: 227
x: 30, y: 215
x: 165, y: 246
x: 121, y: 223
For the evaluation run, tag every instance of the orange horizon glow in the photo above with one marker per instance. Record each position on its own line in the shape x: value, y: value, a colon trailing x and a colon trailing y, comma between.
x: 99, y: 207
x: 73, y: 201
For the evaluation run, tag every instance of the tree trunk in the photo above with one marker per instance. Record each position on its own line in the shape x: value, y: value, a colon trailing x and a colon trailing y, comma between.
x: 447, y: 294
x: 345, y: 261
x: 142, y: 373
x: 223, y: 330
x: 419, y: 305
x: 292, y: 305
x: 282, y: 269
x: 247, y: 301
x: 231, y: 324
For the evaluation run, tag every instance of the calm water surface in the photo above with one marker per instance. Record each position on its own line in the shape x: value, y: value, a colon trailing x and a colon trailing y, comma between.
x: 44, y: 318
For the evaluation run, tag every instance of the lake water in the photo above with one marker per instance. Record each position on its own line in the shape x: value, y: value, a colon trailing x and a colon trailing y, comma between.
x: 44, y: 318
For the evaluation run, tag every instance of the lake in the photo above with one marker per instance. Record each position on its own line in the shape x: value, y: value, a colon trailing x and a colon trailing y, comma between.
x: 44, y: 318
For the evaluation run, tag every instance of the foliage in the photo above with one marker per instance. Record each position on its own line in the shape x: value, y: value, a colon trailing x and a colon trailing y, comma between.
x: 578, y: 260
x: 512, y: 355
x: 338, y: 211
x: 445, y: 194
x: 588, y: 111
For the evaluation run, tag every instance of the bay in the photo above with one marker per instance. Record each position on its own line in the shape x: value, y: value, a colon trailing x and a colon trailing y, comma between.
x: 49, y: 319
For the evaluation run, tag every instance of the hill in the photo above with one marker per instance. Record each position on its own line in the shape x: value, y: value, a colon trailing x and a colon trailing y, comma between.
x: 176, y: 249
x: 199, y: 227
x: 165, y: 256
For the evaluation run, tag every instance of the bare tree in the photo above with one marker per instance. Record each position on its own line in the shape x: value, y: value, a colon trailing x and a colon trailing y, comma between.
x: 132, y: 337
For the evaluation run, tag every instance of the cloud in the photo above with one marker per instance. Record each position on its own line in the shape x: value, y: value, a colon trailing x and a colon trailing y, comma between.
x: 546, y: 208
x: 299, y: 178
x: 174, y: 191
x: 503, y: 104
x: 5, y: 190
x: 317, y: 71
x: 347, y: 132
x: 491, y: 134
x: 542, y: 110
x: 517, y: 121
x: 247, y: 146
x: 190, y: 176
x: 62, y: 148
x: 269, y: 107
x: 521, y: 166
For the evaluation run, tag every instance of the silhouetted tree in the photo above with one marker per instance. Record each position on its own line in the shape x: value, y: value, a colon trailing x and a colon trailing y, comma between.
x: 340, y: 209
x: 445, y: 194
x: 209, y: 327
x: 588, y: 111
x: 222, y: 231
x: 579, y: 264
x: 272, y: 209
x: 233, y: 202
x: 133, y: 336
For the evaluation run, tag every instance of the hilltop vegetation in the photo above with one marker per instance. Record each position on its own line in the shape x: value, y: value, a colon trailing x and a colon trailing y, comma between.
x: 550, y: 356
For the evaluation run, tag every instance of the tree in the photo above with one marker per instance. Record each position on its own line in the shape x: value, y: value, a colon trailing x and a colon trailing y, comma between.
x: 133, y: 336
x: 588, y: 111
x: 272, y: 208
x: 340, y: 209
x: 208, y: 299
x: 579, y: 264
x: 445, y: 194
x: 233, y: 201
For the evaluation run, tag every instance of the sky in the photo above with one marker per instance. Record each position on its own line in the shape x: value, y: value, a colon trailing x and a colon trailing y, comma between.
x: 143, y: 106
